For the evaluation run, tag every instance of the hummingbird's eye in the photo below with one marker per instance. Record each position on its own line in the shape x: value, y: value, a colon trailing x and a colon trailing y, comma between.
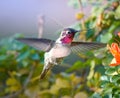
x: 68, y: 32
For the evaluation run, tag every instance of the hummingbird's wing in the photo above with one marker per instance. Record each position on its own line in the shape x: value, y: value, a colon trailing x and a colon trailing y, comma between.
x: 38, y: 43
x: 86, y: 46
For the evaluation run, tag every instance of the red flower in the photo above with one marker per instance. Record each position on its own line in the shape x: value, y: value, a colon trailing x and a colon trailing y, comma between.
x: 115, y: 50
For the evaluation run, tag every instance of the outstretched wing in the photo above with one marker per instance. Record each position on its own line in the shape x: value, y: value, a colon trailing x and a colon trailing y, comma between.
x: 85, y: 46
x: 38, y: 43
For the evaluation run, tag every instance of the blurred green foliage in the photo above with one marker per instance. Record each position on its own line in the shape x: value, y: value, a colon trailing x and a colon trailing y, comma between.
x: 91, y: 76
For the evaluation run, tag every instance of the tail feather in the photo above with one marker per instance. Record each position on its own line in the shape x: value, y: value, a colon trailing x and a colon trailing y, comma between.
x: 46, y: 68
x: 43, y: 74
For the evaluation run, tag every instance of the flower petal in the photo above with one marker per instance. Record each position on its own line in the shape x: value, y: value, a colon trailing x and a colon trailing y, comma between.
x: 115, y: 50
x: 119, y: 34
x: 114, y: 63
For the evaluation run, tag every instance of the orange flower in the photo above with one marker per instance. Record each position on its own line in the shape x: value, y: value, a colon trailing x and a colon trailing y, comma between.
x: 119, y: 34
x: 115, y: 50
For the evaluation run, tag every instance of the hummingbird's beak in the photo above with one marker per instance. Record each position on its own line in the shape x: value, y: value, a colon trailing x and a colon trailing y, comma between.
x: 76, y: 31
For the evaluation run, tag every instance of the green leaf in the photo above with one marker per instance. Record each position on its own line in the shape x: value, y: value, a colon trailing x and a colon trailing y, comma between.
x: 105, y: 78
x: 106, y: 61
x: 104, y: 84
x: 111, y: 71
x: 65, y: 91
x: 14, y: 84
x: 108, y: 95
x: 115, y: 78
x: 116, y: 95
x: 108, y: 90
x: 96, y: 95
x: 117, y: 12
x: 35, y: 56
x: 116, y: 90
x: 97, y: 11
x: 75, y: 66
x: 106, y: 37
x: 90, y: 33
x: 3, y: 57
x: 81, y: 94
x: 23, y: 56
x: 62, y: 83
x: 54, y: 89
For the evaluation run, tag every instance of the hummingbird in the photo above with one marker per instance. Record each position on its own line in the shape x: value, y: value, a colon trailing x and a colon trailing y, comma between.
x: 56, y: 50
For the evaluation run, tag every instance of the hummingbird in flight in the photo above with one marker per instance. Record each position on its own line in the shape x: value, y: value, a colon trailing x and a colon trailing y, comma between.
x: 55, y: 51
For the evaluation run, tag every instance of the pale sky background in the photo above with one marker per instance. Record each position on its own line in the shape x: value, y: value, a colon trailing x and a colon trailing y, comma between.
x: 21, y: 16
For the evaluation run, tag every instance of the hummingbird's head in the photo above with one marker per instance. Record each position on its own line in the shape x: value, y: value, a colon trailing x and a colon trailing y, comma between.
x: 67, y: 35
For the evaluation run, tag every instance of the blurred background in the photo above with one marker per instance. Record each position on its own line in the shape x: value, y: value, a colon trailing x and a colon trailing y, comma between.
x: 22, y: 16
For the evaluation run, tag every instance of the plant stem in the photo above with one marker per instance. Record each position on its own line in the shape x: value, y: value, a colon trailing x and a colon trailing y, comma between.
x: 82, y: 11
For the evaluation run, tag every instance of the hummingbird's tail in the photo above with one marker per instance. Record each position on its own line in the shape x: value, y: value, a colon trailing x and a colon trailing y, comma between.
x: 46, y: 68
x: 43, y: 74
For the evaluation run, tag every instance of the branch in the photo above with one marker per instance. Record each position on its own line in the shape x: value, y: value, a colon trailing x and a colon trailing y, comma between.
x: 40, y: 26
x: 82, y: 34
x: 81, y: 9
